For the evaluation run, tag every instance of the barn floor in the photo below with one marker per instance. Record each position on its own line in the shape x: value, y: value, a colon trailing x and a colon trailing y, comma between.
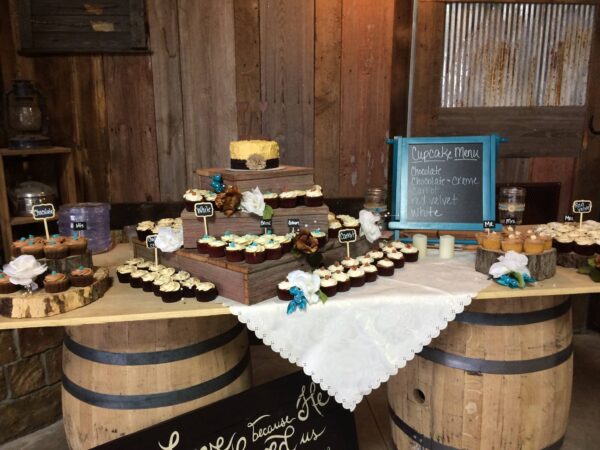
x: 371, y: 416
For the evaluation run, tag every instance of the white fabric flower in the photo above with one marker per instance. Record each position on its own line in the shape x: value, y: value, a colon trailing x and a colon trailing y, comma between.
x: 169, y: 240
x: 23, y: 270
x: 253, y: 202
x: 510, y: 262
x: 308, y: 283
x: 368, y: 225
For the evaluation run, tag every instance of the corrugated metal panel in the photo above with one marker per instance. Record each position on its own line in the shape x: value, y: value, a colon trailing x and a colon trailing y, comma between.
x: 516, y: 54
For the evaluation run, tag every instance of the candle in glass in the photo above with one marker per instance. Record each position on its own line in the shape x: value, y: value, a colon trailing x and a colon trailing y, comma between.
x: 446, y: 246
x: 420, y: 242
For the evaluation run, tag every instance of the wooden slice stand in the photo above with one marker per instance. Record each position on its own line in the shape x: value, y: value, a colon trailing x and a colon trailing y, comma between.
x: 542, y: 266
x: 274, y: 180
x: 572, y: 260
x: 43, y: 304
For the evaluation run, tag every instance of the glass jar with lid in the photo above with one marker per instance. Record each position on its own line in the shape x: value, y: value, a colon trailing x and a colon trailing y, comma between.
x: 511, y: 204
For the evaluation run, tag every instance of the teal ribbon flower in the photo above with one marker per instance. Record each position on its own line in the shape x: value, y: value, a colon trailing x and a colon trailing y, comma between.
x: 298, y: 302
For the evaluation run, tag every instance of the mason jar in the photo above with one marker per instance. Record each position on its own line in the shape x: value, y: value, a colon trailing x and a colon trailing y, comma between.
x: 511, y: 204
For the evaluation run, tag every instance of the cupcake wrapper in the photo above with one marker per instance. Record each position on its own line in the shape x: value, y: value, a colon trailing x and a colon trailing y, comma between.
x: 585, y: 250
x: 9, y: 288
x: 284, y: 295
x: 202, y: 247
x: 39, y: 254
x: 53, y: 288
x: 273, y: 253
x: 234, y: 255
x: 147, y: 286
x: 216, y: 252
x: 272, y: 202
x: 255, y: 257
x: 562, y: 247
x: 288, y: 202
x: 398, y: 263
x: 329, y: 291
x: 313, y: 201
x: 206, y: 296
x: 143, y: 234
x: 370, y: 276
x: 77, y: 250
x: 82, y: 281
x: 385, y: 271
x: 124, y: 277
x: 411, y: 257
x: 333, y: 233
x: 344, y: 286
x: 156, y: 289
x: 16, y: 252
x: 56, y: 254
x: 171, y: 297
x: 301, y: 200
x: 322, y: 241
x: 286, y: 247
x: 135, y: 282
x: 189, y: 206
x: 357, y: 281
x: 188, y: 292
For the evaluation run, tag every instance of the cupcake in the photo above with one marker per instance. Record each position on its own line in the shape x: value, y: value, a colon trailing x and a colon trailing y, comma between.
x: 479, y: 237
x: 398, y: 245
x: 156, y: 267
x: 322, y: 272
x: 563, y: 243
x: 188, y: 287
x: 82, y: 276
x: 334, y: 229
x: 228, y: 237
x: 158, y: 282
x: 170, y: 292
x: 144, y: 229
x: 357, y: 276
x: 314, y: 196
x: 147, y: 281
x: 385, y: 267
x: 191, y: 197
x: 512, y: 243
x: 124, y: 273
x: 180, y: 276
x: 410, y: 252
x: 492, y: 241
x: 271, y: 199
x: 283, y: 291
x: 56, y: 282
x: 144, y: 265
x: 135, y: 280
x: 234, y: 252
x: 329, y: 286
x: 336, y: 267
x: 370, y: 272
x: 388, y: 247
x: 343, y: 281
x: 362, y: 260
x: 206, y: 291
x: 300, y: 197
x: 286, y: 243
x: 210, y: 197
x: 547, y: 240
x: 216, y: 249
x: 202, y: 243
x: 254, y: 254
x: 168, y: 272
x: 585, y: 246
x: 288, y: 199
x: 351, y: 222
x: 397, y: 257
x: 533, y: 245
x: 134, y: 261
x: 320, y: 236
x: 77, y: 245
x: 17, y: 246
x: 33, y: 248
x: 348, y: 263
x: 6, y: 287
x: 56, y: 238
x: 273, y: 250
x: 376, y: 255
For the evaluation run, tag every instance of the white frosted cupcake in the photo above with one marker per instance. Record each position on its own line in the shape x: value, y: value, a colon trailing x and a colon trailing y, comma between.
x: 329, y: 286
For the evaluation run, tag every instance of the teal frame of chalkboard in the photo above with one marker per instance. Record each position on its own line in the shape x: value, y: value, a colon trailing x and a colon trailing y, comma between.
x: 400, y: 181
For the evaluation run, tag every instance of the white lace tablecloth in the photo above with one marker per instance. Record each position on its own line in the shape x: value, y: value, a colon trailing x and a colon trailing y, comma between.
x: 358, y: 339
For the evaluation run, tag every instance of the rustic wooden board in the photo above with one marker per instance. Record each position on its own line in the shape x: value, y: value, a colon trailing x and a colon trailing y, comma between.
x: 168, y: 102
x: 287, y: 76
x: 287, y: 177
x: 328, y: 92
x: 562, y: 170
x: 400, y: 67
x: 367, y: 37
x: 541, y: 266
x: 245, y: 223
x: 43, y: 304
x: 571, y: 260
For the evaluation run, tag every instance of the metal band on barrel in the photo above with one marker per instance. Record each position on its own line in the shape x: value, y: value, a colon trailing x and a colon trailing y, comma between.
x: 159, y: 400
x: 513, y: 319
x: 496, y: 367
x: 429, y: 444
x: 147, y: 358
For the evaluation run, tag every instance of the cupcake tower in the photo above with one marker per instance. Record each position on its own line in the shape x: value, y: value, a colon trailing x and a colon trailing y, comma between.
x: 168, y: 283
x: 529, y: 242
x: 57, y: 247
x: 570, y: 238
x: 53, y: 281
x: 349, y: 273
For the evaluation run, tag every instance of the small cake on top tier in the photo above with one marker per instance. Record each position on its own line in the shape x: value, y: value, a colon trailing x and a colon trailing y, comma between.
x: 254, y: 155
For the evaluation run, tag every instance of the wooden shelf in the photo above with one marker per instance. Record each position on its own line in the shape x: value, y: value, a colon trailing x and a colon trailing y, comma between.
x: 34, y: 151
x: 24, y: 220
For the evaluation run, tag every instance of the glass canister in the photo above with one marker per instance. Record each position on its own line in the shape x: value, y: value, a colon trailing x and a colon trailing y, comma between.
x: 376, y: 200
x: 511, y: 204
x: 91, y: 220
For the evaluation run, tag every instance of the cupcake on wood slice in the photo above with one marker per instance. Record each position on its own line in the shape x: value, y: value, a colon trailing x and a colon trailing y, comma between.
x: 511, y: 242
x: 397, y: 257
x: 479, y: 237
x: 77, y: 245
x: 320, y: 236
x: 82, y: 276
x: 147, y: 281
x: 56, y: 282
x: 314, y: 196
x: 33, y: 248
x: 533, y: 245
x: 6, y: 287
x: 135, y: 280
x: 357, y: 276
x: 255, y: 254
x: 234, y: 252
x: 410, y: 252
x: 329, y: 286
x: 283, y: 291
x: 370, y: 272
x: 273, y: 250
x: 188, y: 287
x: 216, y: 249
x: 202, y: 243
x: 343, y: 281
x: 144, y: 229
x: 17, y: 246
x: 271, y: 199
x: 206, y: 291
x: 334, y: 229
x: 288, y: 199
x: 492, y: 241
x: 170, y: 292
x: 385, y: 267
x: 547, y: 239
x: 191, y: 197
x: 124, y: 273
x: 158, y: 282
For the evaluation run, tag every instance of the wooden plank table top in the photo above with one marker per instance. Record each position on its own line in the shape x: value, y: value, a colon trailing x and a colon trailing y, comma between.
x: 124, y: 304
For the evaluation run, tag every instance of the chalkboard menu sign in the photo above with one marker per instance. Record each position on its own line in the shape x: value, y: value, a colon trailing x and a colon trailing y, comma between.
x: 444, y: 183
x: 289, y: 413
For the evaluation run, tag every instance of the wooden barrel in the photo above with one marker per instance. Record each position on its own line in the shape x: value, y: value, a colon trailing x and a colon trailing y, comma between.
x: 122, y: 377
x: 498, y: 378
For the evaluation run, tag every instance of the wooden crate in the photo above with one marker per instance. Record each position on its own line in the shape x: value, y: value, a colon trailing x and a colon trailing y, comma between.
x: 244, y: 223
x: 276, y: 180
x: 246, y: 283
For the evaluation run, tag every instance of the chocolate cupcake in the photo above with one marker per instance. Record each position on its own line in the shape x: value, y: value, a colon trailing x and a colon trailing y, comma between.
x: 216, y: 249
x: 376, y: 255
x: 385, y: 267
x: 168, y: 272
x: 147, y: 281
x: 156, y: 268
x: 300, y: 197
x: 170, y: 292
x: 334, y: 229
x: 82, y: 276
x: 362, y: 260
x: 314, y: 196
x: 56, y: 282
x: 202, y: 243
x: 255, y: 254
x: 144, y: 265
x: 351, y: 222
x: 135, y: 280
x: 348, y: 263
x: 397, y: 258
x: 188, y: 287
x: 283, y: 291
x: 144, y: 229
x: 357, y: 276
x: 158, y: 282
x: 336, y: 267
x: 191, y: 197
x: 124, y: 273
x: 563, y: 243
x: 17, y: 246
x: 234, y: 252
x: 585, y: 246
x: 210, y: 197
x: 271, y: 199
x: 329, y: 286
x: 288, y: 199
x: 273, y: 250
x: 77, y: 245
x: 286, y: 243
x: 411, y: 253
x: 206, y: 291
x: 320, y: 236
x: 33, y: 248
x: 180, y: 276
x: 6, y: 287
x: 343, y: 281
x: 322, y: 272
x: 370, y: 272
x: 134, y: 261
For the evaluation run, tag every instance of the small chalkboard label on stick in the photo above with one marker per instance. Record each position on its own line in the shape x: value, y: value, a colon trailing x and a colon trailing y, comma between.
x: 266, y: 224
x: 151, y: 243
x: 204, y: 210
x: 510, y: 221
x: 582, y: 207
x: 569, y: 218
x: 293, y: 223
x: 79, y: 226
x: 44, y: 212
x: 346, y: 236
